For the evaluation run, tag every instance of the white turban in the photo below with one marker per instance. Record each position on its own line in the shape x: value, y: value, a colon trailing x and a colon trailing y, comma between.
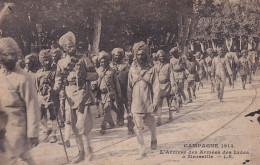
x: 119, y: 50
x: 67, y: 38
x: 140, y: 46
x: 8, y: 43
x: 103, y: 54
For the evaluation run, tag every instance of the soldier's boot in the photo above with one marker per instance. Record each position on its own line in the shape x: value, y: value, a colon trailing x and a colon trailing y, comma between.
x: 66, y: 143
x: 79, y: 158
x: 130, y: 125
x: 54, y: 130
x: 47, y: 131
x: 103, y: 129
x: 170, y: 116
x: 154, y: 144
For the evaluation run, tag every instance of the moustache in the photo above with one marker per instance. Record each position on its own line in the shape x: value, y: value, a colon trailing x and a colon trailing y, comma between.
x: 10, y: 65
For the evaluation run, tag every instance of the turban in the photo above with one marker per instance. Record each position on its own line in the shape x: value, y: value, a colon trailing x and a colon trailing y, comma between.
x: 154, y: 55
x: 140, y: 46
x: 174, y: 51
x: 209, y: 50
x: 8, y: 43
x: 160, y: 52
x: 32, y: 57
x: 45, y: 55
x: 102, y: 55
x: 118, y: 50
x: 67, y: 38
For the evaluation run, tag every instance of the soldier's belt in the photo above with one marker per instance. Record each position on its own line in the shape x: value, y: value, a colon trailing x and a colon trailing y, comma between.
x: 164, y: 81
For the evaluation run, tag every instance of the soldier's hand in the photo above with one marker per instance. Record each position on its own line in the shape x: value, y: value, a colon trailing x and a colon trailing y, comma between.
x: 33, y: 141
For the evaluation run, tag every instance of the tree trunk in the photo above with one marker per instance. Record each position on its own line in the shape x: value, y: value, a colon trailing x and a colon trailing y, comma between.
x: 97, y: 33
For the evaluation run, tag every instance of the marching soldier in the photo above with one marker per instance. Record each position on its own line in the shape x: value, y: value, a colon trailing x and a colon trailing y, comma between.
x: 110, y: 90
x: 75, y: 72
x: 220, y: 66
x: 208, y: 60
x: 19, y: 109
x: 192, y: 68
x: 129, y: 56
x: 203, y: 68
x: 141, y: 78
x: 233, y: 62
x: 244, y: 66
x: 121, y: 69
x: 44, y: 80
x: 178, y: 64
x: 167, y: 85
x: 31, y: 63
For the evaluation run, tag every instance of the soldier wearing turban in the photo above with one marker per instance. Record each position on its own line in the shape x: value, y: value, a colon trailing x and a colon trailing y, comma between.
x: 45, y: 79
x: 110, y: 90
x: 167, y: 85
x: 220, y: 66
x: 178, y: 64
x: 210, y: 55
x: 19, y: 109
x: 121, y: 67
x: 141, y: 78
x: 31, y: 63
x: 74, y: 74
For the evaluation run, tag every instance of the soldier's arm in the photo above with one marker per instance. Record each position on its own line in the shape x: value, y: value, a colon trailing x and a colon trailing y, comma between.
x: 172, y: 79
x: 58, y: 78
x: 176, y: 67
x: 213, y: 68
x: 29, y: 96
x: 228, y: 67
x: 91, y: 74
x: 129, y: 88
x: 117, y: 85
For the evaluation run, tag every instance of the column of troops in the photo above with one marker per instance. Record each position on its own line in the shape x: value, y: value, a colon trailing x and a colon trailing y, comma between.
x: 132, y: 84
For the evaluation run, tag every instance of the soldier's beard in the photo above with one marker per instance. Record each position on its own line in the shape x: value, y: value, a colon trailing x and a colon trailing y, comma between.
x: 9, y: 65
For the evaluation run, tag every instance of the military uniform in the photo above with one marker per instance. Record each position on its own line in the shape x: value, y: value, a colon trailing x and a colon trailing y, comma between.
x: 18, y: 102
x: 233, y: 62
x: 121, y: 69
x: 220, y: 66
x: 140, y: 82
x: 167, y: 89
x: 192, y: 67
x: 110, y: 93
x: 208, y: 61
x: 75, y: 74
x: 47, y: 98
x: 179, y: 74
x: 244, y: 67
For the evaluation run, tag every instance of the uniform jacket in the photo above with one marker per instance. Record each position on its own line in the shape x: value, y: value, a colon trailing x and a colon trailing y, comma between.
x: 76, y: 76
x: 220, y: 67
x: 18, y: 99
x: 140, y: 88
x: 44, y: 81
x: 192, y: 68
x: 122, y: 70
x: 108, y: 84
x: 178, y: 68
x: 244, y: 66
x: 166, y: 80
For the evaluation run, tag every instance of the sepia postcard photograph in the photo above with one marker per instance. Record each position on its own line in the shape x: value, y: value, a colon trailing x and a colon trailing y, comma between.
x: 130, y: 82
